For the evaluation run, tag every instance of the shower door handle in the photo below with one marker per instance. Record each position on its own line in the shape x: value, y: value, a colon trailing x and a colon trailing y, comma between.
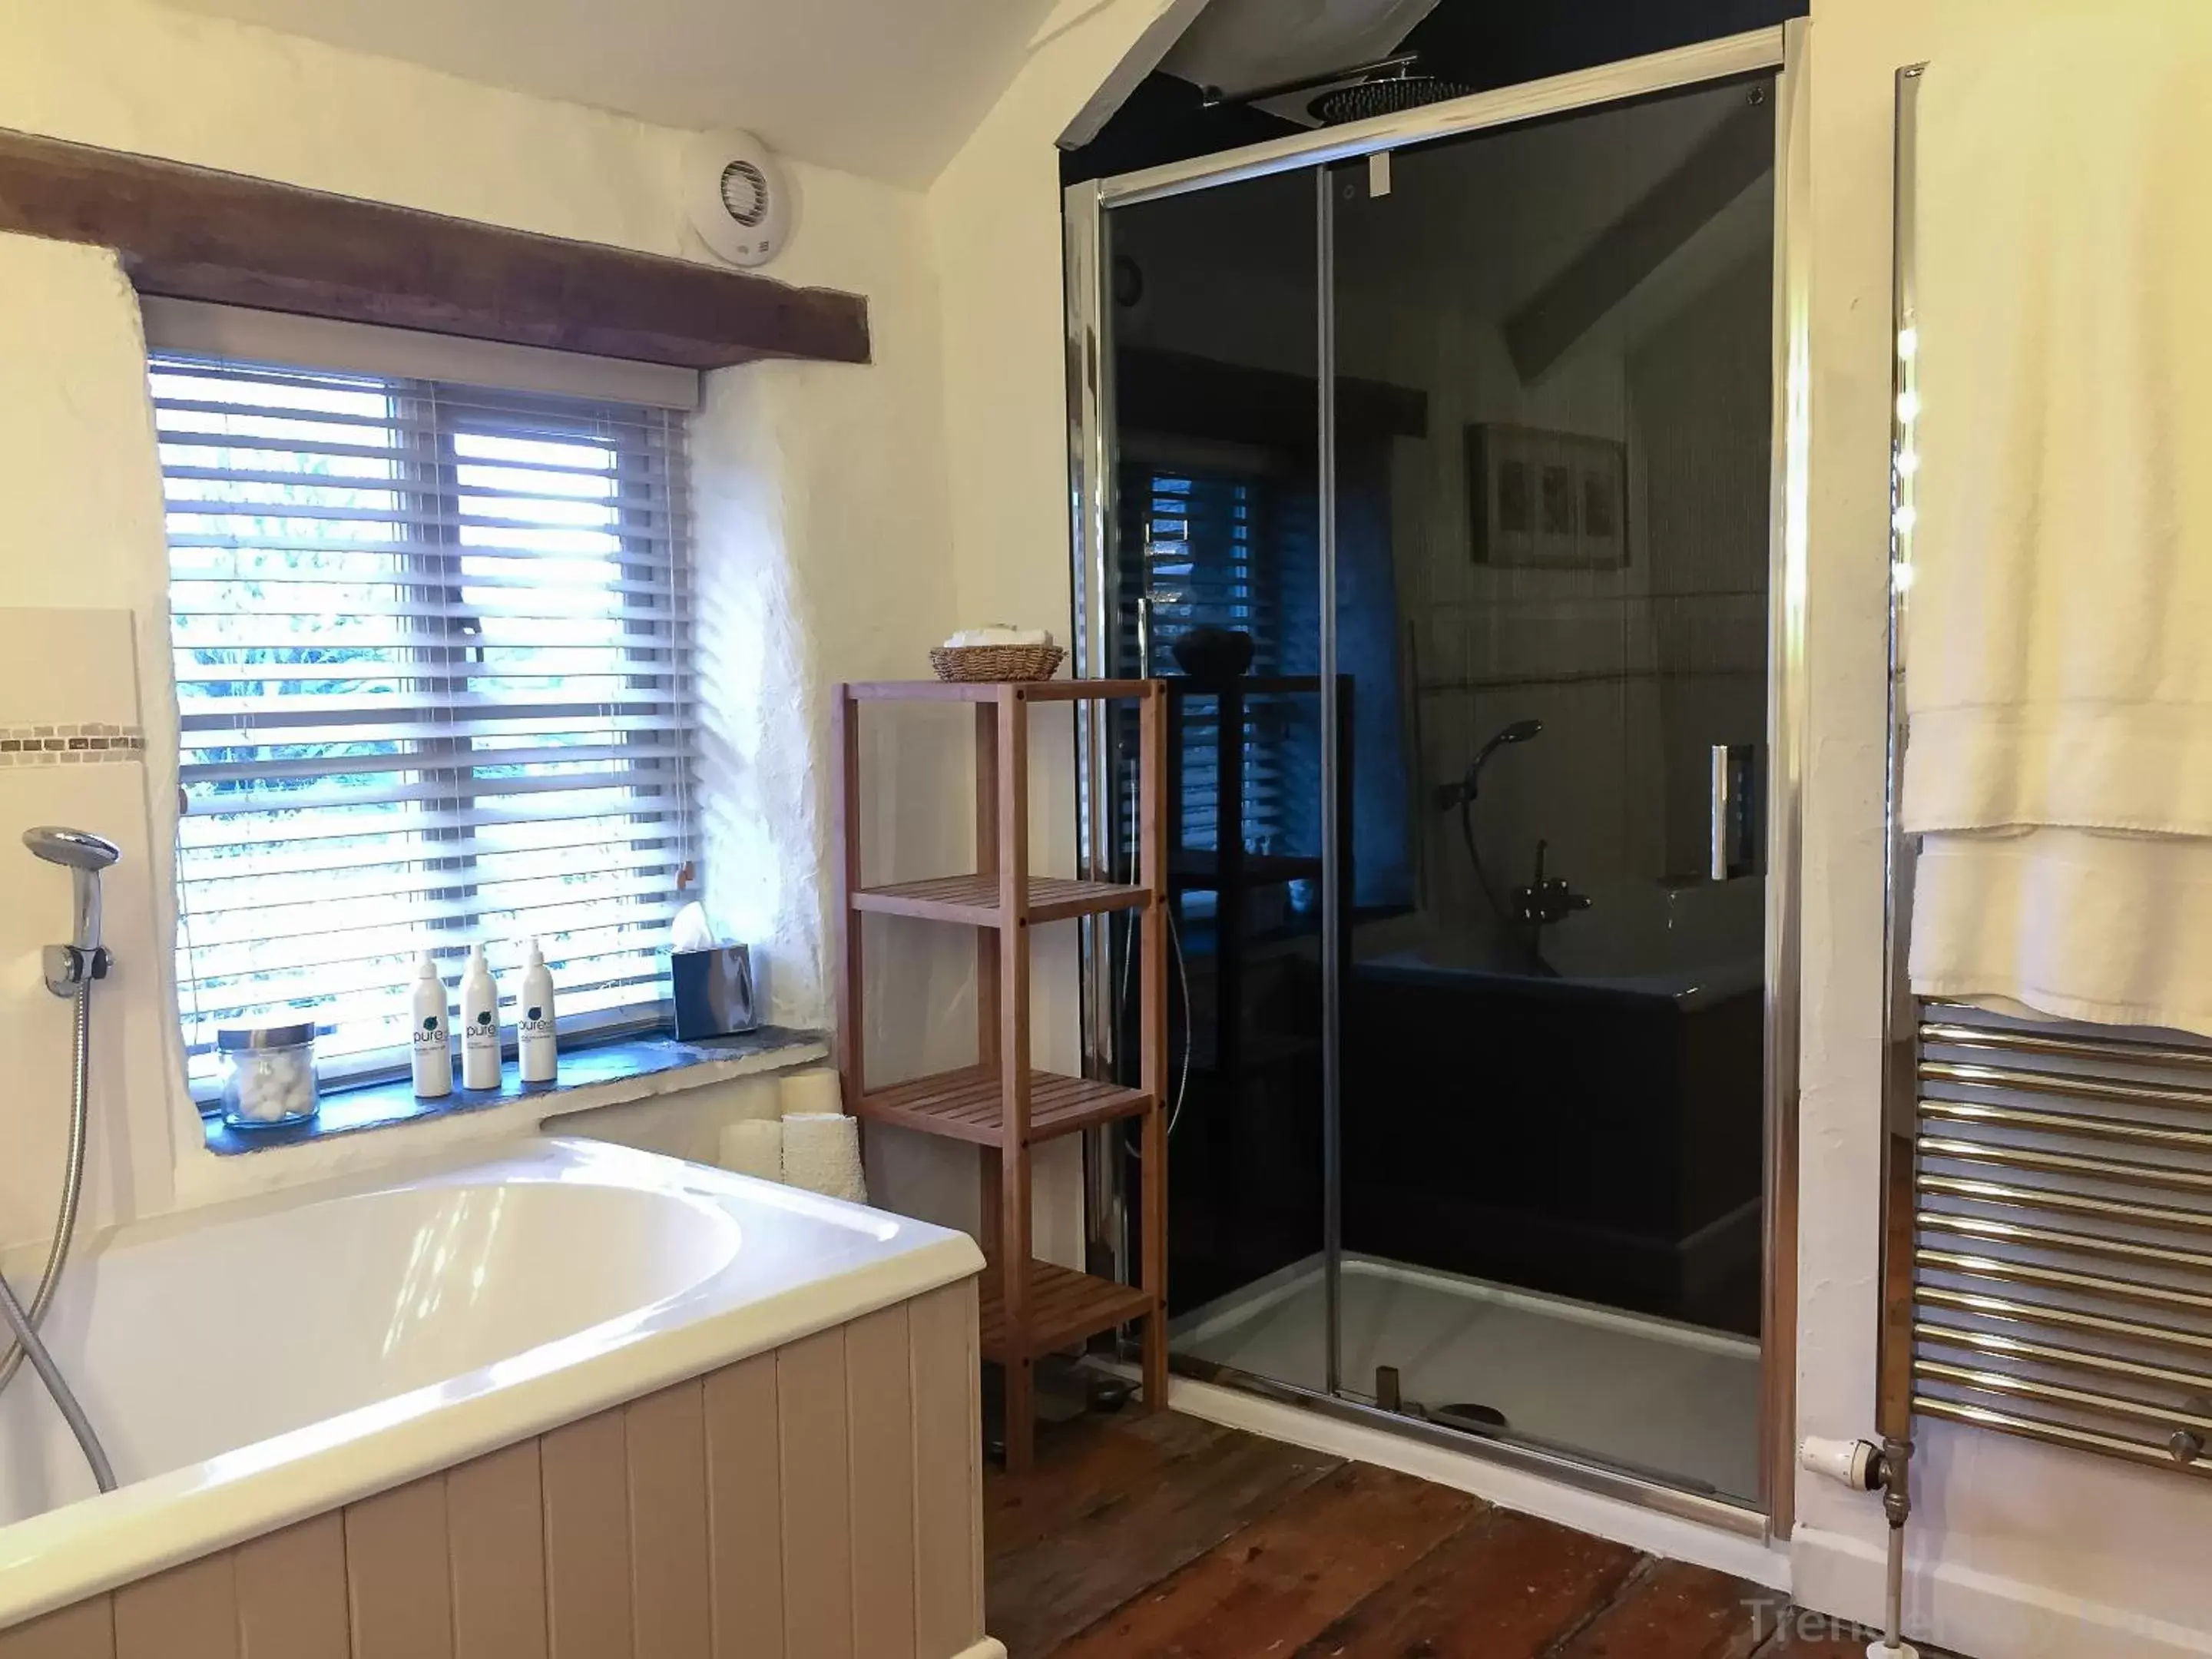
x: 1731, y: 843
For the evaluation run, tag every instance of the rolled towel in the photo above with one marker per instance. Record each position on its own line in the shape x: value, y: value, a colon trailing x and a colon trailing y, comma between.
x: 822, y: 1153
x: 999, y: 634
x: 816, y: 1090
x: 754, y: 1146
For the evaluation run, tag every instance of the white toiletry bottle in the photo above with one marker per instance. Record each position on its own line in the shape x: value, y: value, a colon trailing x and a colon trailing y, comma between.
x: 534, y: 1040
x: 479, y: 1024
x: 433, y: 1034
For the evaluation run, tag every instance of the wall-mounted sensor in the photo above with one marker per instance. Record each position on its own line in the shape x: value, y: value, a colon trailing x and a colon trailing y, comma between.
x: 738, y: 199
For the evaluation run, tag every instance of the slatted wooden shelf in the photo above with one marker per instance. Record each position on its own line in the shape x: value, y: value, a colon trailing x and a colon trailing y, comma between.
x: 973, y: 900
x: 1065, y: 1307
x: 968, y: 1104
x: 981, y: 1103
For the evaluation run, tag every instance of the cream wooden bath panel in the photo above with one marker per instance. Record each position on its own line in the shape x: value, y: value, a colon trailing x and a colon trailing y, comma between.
x: 818, y: 1502
x: 814, y: 1495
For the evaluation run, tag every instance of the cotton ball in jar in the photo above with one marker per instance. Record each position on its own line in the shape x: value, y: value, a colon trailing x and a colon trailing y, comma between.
x: 271, y: 1084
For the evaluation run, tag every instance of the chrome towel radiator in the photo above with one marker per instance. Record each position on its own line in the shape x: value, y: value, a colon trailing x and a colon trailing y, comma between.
x: 2047, y: 1226
x: 2062, y: 1251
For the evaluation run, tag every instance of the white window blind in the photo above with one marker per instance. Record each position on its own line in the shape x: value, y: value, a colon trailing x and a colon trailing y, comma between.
x: 432, y: 655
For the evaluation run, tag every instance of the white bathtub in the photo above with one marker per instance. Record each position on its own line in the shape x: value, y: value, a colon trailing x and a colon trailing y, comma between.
x: 253, y: 1364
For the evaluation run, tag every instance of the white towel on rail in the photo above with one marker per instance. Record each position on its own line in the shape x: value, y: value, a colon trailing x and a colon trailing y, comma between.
x: 2057, y: 682
x: 2070, y: 924
x: 2057, y: 670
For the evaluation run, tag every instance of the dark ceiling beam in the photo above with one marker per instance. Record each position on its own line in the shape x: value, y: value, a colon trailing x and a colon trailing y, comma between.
x: 189, y: 233
x: 1618, y: 258
x: 1187, y: 396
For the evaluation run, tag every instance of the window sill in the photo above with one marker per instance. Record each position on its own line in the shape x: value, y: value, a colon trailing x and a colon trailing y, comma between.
x: 605, y: 1074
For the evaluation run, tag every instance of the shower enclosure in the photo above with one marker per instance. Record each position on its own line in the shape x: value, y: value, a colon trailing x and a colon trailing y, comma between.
x: 1440, y: 463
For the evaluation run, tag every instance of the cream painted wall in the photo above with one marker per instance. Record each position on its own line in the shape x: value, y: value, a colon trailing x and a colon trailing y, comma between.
x: 994, y: 228
x: 822, y: 523
x: 2018, y: 1549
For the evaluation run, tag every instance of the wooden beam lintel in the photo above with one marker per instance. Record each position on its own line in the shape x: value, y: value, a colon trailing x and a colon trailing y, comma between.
x: 191, y: 233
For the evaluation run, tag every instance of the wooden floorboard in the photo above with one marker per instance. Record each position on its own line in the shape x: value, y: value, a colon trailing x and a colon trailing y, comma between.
x: 1675, y: 1611
x: 1134, y: 1526
x: 1286, y: 1577
x: 1162, y: 1537
x: 1510, y: 1589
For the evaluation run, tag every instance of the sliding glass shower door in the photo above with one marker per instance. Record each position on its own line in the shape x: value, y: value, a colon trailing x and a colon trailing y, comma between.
x: 1215, y: 572
x: 1554, y: 587
x: 1442, y: 501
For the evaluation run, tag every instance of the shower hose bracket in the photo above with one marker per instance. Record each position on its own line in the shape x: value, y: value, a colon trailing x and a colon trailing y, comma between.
x: 68, y: 967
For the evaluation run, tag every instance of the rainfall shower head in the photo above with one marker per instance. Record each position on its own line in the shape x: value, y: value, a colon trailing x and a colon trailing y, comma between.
x: 85, y: 855
x: 1387, y: 95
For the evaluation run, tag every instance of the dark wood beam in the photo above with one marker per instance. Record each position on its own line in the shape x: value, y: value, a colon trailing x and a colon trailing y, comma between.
x: 190, y: 233
x: 1619, y: 256
x: 1194, y: 396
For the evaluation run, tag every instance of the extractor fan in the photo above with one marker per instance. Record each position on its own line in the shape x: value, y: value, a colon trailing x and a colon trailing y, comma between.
x: 737, y: 197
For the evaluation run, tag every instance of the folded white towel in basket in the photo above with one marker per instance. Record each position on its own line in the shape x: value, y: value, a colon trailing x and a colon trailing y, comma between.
x: 1001, y: 634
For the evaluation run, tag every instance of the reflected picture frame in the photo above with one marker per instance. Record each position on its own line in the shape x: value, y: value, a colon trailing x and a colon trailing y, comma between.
x: 1546, y: 500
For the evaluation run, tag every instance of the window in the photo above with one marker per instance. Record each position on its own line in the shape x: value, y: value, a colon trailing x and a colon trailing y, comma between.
x: 433, y: 661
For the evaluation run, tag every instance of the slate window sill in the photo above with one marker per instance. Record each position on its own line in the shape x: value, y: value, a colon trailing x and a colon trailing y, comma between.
x: 588, y: 1076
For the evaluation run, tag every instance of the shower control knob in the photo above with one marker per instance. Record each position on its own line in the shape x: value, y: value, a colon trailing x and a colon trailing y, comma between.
x: 2186, y: 1445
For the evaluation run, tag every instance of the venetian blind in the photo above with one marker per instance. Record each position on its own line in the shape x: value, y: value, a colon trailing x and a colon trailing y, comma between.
x: 432, y: 648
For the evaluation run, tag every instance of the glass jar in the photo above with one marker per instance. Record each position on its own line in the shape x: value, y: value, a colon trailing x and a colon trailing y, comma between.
x: 268, y: 1073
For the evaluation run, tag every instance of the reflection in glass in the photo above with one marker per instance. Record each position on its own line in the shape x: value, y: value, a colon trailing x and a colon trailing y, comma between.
x: 1552, y: 406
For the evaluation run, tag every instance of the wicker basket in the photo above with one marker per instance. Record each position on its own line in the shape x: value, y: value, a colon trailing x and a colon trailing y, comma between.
x: 978, y: 662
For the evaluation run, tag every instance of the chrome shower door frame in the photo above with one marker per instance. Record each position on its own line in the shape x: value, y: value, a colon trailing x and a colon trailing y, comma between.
x: 1086, y: 219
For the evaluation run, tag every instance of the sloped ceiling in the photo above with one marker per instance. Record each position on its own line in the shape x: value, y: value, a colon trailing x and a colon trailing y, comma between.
x: 885, y: 88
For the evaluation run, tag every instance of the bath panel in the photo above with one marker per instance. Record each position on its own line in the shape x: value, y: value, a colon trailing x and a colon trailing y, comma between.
x: 820, y: 1499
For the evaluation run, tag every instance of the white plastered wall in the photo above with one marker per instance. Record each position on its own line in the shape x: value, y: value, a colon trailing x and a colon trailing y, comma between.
x: 822, y: 534
x: 2018, y: 1549
x: 995, y: 227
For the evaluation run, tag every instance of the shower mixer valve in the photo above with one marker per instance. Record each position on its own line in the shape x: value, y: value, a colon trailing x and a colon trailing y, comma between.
x: 1545, y: 900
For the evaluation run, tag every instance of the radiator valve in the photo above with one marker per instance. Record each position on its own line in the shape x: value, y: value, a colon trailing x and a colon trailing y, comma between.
x: 1856, y: 1463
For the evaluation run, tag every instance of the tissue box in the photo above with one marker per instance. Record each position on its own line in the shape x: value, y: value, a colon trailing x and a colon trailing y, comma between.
x: 714, y: 992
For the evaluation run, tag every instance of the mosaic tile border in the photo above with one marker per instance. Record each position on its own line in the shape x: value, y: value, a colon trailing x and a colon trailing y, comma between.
x: 56, y: 745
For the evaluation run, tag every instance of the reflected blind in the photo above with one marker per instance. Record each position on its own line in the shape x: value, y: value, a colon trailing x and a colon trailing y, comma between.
x: 1206, y: 549
x: 432, y: 647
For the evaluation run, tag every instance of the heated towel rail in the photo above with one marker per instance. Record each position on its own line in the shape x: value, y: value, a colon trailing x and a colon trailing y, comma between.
x: 2047, y: 1238
x: 2062, y: 1234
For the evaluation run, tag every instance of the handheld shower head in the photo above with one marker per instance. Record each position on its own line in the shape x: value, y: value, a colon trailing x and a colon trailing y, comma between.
x: 1519, y: 732
x: 84, y: 855
x: 77, y: 849
x: 1455, y: 794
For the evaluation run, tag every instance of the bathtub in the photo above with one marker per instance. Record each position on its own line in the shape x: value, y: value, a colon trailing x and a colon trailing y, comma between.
x: 1596, y: 1133
x: 567, y: 1328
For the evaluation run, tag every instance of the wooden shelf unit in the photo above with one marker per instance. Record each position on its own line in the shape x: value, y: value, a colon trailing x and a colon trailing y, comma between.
x: 1028, y: 1307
